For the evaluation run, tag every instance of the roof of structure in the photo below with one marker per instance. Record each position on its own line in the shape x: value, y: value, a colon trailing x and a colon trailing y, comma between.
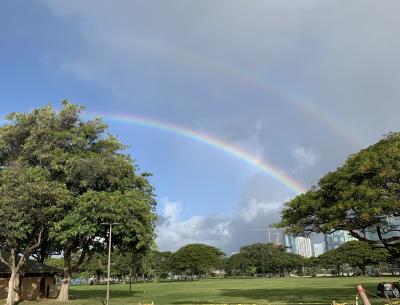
x: 32, y: 267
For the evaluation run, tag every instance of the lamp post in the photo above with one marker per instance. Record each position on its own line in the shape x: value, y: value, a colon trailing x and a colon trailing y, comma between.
x: 109, y: 258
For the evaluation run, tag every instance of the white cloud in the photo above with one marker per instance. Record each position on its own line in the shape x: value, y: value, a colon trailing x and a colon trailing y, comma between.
x: 226, y: 232
x: 171, y: 209
x: 256, y: 208
x: 173, y: 234
x: 306, y: 157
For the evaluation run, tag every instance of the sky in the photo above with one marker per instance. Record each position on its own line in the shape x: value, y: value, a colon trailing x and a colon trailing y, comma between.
x: 235, y: 106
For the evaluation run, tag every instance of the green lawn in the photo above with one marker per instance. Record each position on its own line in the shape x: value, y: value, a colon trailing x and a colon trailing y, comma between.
x: 248, y: 291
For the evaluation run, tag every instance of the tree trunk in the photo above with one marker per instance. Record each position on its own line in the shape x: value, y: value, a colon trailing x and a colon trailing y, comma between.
x: 14, y: 293
x: 364, y: 270
x: 63, y: 296
x: 130, y: 279
x: 17, y: 287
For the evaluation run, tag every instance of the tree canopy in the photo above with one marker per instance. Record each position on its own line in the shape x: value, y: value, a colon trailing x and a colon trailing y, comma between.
x: 270, y: 258
x: 361, y: 197
x: 61, y: 179
x: 196, y: 259
x: 356, y: 254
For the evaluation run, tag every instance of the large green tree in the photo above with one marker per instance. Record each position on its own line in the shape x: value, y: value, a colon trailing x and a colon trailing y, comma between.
x: 333, y: 260
x: 360, y: 254
x: 29, y: 202
x: 100, y: 181
x: 238, y: 264
x: 161, y: 264
x: 361, y: 197
x: 270, y: 258
x: 196, y: 259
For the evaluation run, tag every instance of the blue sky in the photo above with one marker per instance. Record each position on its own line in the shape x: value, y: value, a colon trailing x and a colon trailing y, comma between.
x: 300, y: 85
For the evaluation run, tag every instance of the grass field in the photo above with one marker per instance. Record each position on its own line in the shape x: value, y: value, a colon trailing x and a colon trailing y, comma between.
x: 239, y: 291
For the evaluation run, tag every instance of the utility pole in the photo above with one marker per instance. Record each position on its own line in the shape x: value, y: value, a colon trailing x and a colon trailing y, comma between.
x: 109, y: 259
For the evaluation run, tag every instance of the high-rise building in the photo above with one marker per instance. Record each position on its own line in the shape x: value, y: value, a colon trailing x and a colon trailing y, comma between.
x: 290, y: 243
x: 298, y: 245
x: 318, y: 249
x: 392, y: 224
x: 304, y: 246
x: 337, y: 238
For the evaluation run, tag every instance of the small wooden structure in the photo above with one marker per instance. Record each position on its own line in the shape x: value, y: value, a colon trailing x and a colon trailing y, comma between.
x: 38, y: 281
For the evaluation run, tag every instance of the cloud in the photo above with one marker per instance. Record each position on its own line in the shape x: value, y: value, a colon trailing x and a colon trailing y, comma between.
x: 228, y: 232
x: 255, y: 208
x: 172, y: 210
x: 306, y: 157
x: 325, y: 76
x: 263, y: 75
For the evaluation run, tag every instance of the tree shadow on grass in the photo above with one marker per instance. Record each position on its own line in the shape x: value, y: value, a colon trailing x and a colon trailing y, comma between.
x: 97, y: 294
x: 315, y: 295
x: 294, y: 295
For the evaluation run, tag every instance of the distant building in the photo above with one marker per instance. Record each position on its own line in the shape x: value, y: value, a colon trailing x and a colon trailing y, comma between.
x: 391, y: 223
x: 318, y: 249
x: 304, y: 246
x: 298, y: 245
x: 337, y: 238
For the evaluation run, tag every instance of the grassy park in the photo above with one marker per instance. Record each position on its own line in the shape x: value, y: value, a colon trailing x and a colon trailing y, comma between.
x: 241, y: 291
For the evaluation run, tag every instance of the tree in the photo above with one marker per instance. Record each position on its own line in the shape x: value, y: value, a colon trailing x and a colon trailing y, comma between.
x: 270, y: 258
x: 312, y: 264
x: 161, y: 264
x: 129, y: 210
x: 238, y: 264
x: 29, y: 201
x: 100, y: 182
x: 361, y: 197
x: 360, y: 254
x: 95, y: 267
x: 289, y: 262
x: 196, y: 259
x: 356, y: 254
x: 333, y: 259
x: 260, y: 256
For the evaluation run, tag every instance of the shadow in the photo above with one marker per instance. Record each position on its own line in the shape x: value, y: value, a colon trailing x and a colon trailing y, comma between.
x: 98, y: 294
x: 294, y: 295
x: 202, y: 302
x: 290, y: 295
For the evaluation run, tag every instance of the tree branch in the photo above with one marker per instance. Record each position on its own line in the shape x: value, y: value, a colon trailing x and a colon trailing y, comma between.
x: 30, y: 249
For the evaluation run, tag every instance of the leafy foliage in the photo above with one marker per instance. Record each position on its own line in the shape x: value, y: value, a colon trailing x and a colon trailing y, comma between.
x: 239, y: 264
x: 356, y: 254
x: 362, y: 197
x: 161, y: 264
x: 60, y: 178
x: 270, y: 258
x: 196, y: 259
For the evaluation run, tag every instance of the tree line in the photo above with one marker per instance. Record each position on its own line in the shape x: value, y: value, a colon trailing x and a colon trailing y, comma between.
x: 198, y: 261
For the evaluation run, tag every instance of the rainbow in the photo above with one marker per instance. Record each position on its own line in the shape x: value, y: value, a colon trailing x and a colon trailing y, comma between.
x: 200, y: 63
x: 239, y: 153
